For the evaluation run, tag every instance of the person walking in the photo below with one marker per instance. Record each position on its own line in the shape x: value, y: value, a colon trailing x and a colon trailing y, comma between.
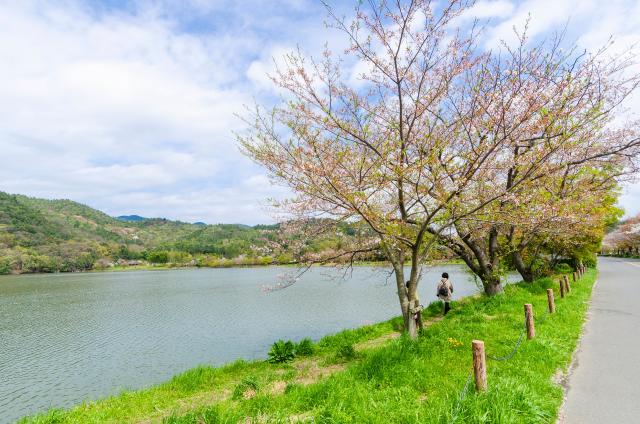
x: 445, y: 290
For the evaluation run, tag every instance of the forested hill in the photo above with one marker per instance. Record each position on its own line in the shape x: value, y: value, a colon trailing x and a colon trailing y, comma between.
x: 38, y: 235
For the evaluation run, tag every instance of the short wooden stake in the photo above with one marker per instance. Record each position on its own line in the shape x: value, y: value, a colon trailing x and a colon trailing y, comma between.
x: 567, y: 284
x: 528, y: 316
x: 479, y: 365
x: 562, y: 288
x: 551, y: 301
x: 575, y: 277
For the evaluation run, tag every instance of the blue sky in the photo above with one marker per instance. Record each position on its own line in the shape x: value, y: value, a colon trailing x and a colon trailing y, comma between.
x: 130, y: 106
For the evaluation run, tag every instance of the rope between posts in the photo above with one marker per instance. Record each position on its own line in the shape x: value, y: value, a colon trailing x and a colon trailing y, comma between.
x: 510, y: 355
x: 514, y: 350
x: 461, y: 396
x: 519, y: 342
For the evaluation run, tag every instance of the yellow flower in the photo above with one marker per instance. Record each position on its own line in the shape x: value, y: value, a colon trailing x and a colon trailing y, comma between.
x: 454, y: 342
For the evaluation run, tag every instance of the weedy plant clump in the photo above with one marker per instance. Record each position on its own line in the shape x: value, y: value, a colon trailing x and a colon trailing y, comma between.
x: 346, y: 352
x: 282, y: 351
x: 305, y: 347
x: 247, y: 388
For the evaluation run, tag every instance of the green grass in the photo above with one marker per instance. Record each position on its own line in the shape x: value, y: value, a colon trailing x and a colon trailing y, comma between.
x: 388, y: 380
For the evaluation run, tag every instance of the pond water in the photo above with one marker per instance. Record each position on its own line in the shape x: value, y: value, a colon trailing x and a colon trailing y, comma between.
x: 65, y: 338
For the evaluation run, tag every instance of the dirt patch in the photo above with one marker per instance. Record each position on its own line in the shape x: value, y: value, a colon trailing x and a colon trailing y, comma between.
x: 84, y: 220
x: 379, y: 341
x: 370, y: 344
x: 310, y: 371
x: 277, y: 387
x: 249, y: 394
x: 301, y: 418
x: 560, y: 378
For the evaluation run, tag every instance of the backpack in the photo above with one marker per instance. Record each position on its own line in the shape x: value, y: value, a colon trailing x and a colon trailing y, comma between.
x: 443, y: 290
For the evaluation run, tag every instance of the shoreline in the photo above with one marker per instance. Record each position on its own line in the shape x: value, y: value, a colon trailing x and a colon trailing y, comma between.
x: 378, y: 353
x: 192, y: 267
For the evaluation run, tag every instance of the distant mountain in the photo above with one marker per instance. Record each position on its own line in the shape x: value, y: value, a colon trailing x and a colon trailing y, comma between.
x: 39, y: 235
x: 131, y: 218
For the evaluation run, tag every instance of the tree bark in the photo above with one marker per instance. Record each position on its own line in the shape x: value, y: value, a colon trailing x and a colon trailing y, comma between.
x: 492, y: 284
x: 523, y: 269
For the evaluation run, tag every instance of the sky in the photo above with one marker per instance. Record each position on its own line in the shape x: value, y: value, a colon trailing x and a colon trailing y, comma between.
x: 131, y: 106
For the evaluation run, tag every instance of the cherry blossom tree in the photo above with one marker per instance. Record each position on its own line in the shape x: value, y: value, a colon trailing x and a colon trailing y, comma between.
x: 562, y: 112
x: 434, y: 132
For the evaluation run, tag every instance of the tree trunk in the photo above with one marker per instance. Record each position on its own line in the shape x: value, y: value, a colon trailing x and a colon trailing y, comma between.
x: 492, y: 284
x: 403, y: 297
x: 523, y: 269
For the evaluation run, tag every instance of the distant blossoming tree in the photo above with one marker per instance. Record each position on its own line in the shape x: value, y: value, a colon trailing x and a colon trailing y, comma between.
x: 428, y: 136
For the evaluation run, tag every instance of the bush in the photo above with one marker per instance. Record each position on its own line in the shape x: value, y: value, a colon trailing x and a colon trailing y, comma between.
x: 5, y: 266
x: 589, y: 260
x: 282, y: 351
x: 346, y: 352
x: 563, y: 268
x: 158, y: 257
x: 304, y: 348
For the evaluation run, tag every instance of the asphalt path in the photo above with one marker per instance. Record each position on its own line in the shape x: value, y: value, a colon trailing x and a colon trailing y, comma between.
x: 604, y: 381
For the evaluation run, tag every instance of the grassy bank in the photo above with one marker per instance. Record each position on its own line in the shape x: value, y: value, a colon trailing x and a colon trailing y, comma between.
x: 389, y: 379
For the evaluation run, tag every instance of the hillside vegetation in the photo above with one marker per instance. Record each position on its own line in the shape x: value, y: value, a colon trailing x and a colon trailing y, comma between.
x: 38, y: 235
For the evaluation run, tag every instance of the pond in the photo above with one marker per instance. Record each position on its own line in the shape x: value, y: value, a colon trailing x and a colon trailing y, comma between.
x: 66, y: 338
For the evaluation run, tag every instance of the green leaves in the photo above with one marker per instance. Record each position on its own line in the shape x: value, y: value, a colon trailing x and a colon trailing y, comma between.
x: 282, y: 352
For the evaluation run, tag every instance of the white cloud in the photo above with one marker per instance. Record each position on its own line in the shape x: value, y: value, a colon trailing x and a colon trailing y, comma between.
x: 488, y: 9
x: 630, y: 200
x: 127, y: 111
x: 262, y: 69
x: 92, y: 109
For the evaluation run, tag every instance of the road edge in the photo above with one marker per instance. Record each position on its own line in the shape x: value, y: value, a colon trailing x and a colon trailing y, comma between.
x: 566, y: 376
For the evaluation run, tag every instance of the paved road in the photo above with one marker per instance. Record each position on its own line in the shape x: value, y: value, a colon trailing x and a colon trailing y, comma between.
x: 604, y: 386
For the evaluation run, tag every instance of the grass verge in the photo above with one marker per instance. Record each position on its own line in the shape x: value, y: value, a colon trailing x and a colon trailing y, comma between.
x: 390, y: 379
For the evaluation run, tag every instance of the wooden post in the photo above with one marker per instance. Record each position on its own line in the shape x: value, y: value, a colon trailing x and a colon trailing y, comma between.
x: 575, y: 276
x: 567, y: 284
x: 479, y: 365
x: 528, y: 316
x: 562, y: 288
x: 551, y: 301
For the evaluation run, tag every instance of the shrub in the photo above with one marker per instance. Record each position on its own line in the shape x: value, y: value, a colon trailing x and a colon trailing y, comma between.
x: 282, y: 351
x: 158, y: 257
x: 304, y: 348
x: 563, y: 268
x: 5, y: 266
x: 346, y: 352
